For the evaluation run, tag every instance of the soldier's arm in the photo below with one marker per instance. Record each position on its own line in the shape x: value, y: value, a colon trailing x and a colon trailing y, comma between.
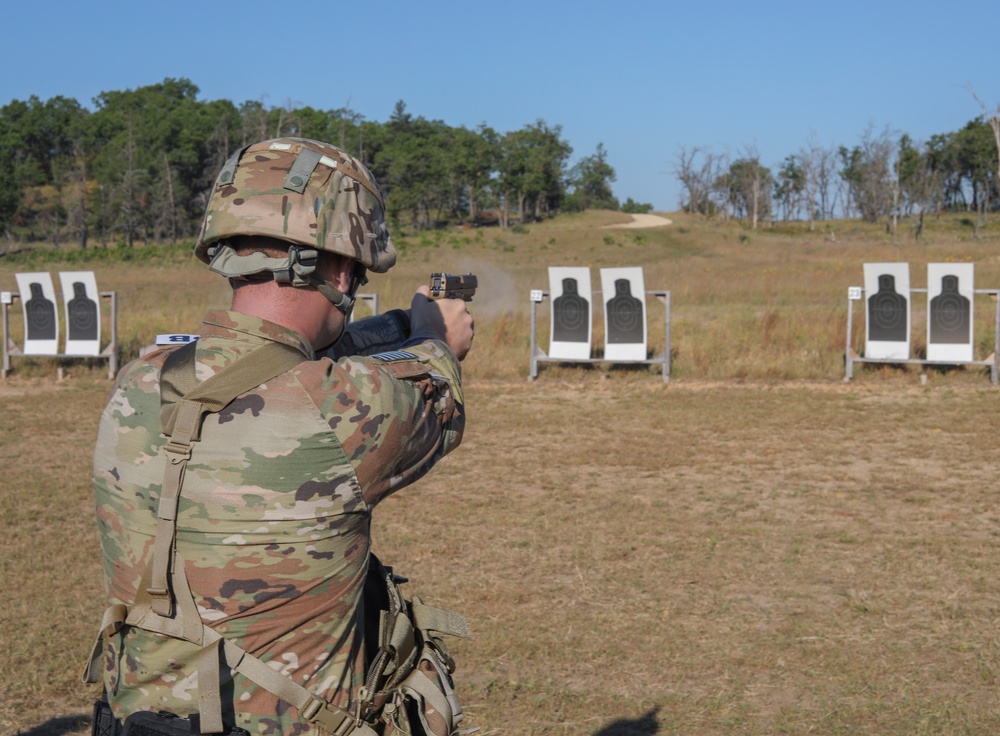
x: 392, y: 330
x: 372, y: 335
x: 395, y: 414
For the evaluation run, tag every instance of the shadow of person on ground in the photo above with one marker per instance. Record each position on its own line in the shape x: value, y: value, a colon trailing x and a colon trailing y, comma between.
x: 60, y: 726
x: 647, y: 725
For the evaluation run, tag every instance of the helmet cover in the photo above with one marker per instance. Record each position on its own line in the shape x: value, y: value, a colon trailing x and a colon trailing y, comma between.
x: 300, y: 191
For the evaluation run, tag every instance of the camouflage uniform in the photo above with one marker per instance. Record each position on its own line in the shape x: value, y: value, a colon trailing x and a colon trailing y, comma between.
x: 274, y: 513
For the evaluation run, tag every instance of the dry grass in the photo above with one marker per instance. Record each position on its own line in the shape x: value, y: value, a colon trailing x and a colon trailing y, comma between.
x: 730, y: 554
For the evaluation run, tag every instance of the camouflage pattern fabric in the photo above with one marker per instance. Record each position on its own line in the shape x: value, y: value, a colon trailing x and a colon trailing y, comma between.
x: 340, y: 209
x: 273, y: 523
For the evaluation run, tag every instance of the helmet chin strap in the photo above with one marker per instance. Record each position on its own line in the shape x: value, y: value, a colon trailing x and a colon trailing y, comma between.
x: 337, y: 298
x: 297, y: 269
x: 343, y: 302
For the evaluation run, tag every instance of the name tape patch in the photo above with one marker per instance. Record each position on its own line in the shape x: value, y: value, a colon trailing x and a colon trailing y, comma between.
x: 178, y: 339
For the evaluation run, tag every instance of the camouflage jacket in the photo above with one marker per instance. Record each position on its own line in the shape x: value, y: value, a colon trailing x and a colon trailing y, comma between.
x: 273, y: 523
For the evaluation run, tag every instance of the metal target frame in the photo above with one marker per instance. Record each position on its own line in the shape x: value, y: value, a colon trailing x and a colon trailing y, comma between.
x: 371, y: 300
x: 538, y: 355
x: 856, y: 293
x: 11, y: 350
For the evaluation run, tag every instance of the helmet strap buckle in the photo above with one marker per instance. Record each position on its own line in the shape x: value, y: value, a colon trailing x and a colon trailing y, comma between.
x: 301, y: 266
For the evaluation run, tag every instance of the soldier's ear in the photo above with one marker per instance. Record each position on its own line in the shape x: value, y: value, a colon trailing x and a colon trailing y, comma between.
x: 337, y: 269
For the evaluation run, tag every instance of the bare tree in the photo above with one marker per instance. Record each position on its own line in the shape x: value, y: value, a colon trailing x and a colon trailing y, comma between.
x: 992, y: 118
x: 168, y: 211
x: 289, y: 121
x: 817, y: 172
x: 128, y: 185
x: 722, y: 186
x: 76, y: 211
x: 697, y: 179
x: 825, y: 170
x: 868, y: 173
x: 253, y: 121
x: 751, y: 185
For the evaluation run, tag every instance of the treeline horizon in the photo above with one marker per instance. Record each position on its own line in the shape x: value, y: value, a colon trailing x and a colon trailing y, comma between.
x: 141, y: 165
x: 888, y: 175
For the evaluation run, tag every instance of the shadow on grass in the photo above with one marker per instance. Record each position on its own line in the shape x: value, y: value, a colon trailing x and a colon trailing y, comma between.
x: 647, y: 725
x: 60, y: 726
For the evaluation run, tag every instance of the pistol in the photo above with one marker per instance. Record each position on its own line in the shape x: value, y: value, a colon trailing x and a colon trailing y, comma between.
x: 450, y: 286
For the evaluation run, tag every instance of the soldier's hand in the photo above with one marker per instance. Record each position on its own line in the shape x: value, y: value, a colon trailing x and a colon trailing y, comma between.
x: 443, y: 319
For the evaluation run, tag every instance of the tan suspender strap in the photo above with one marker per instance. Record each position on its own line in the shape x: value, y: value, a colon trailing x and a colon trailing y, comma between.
x: 209, y: 699
x: 331, y: 718
x: 177, y: 377
x: 429, y: 618
x: 182, y: 420
x: 182, y: 423
x: 177, y: 452
x: 112, y: 620
x: 403, y: 640
x: 250, y: 371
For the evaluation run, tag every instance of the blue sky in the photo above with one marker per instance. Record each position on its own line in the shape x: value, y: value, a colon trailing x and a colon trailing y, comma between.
x: 646, y: 78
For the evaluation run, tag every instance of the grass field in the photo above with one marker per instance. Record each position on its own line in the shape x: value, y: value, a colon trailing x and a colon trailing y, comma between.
x: 755, y: 548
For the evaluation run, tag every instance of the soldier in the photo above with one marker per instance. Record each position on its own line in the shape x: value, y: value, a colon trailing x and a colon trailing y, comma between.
x: 276, y: 490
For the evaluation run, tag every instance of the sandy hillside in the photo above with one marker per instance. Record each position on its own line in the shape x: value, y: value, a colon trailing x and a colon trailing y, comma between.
x: 644, y: 221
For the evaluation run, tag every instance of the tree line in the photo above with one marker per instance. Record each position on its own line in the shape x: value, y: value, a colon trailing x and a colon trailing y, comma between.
x: 885, y: 176
x: 141, y: 164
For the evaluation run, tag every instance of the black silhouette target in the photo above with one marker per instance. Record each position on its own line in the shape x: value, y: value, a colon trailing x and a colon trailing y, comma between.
x: 887, y: 312
x: 626, y: 318
x: 41, y: 315
x: 82, y: 314
x: 950, y: 314
x: 571, y: 315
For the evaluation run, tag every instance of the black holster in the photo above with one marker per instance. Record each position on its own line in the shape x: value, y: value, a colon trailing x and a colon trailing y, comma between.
x: 105, y: 723
x: 148, y: 723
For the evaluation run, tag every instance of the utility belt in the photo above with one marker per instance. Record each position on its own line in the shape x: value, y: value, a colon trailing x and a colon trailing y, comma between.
x: 407, y: 688
x: 148, y: 723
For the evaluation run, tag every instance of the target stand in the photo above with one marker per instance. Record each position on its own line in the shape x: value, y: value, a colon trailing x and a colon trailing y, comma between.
x: 538, y: 355
x: 11, y: 350
x: 856, y: 293
x: 370, y: 300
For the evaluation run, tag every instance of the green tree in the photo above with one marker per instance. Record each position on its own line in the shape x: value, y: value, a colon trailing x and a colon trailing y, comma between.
x: 590, y: 183
x: 17, y: 168
x: 409, y: 158
x: 632, y: 207
x: 142, y: 164
x: 920, y: 180
x: 473, y: 156
x: 39, y: 146
x: 789, y: 187
x: 155, y: 145
x: 974, y: 153
x: 531, y: 166
x: 748, y: 185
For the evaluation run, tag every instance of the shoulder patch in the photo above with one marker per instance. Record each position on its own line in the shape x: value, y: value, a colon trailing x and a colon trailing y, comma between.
x: 393, y: 356
x: 402, y: 363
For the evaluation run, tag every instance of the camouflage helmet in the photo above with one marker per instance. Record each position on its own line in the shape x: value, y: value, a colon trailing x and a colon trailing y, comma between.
x: 303, y: 192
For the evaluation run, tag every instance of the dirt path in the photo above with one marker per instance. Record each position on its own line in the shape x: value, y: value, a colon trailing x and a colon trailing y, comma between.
x: 644, y: 221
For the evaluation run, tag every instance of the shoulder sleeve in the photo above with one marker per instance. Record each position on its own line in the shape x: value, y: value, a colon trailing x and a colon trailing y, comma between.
x: 396, y: 413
